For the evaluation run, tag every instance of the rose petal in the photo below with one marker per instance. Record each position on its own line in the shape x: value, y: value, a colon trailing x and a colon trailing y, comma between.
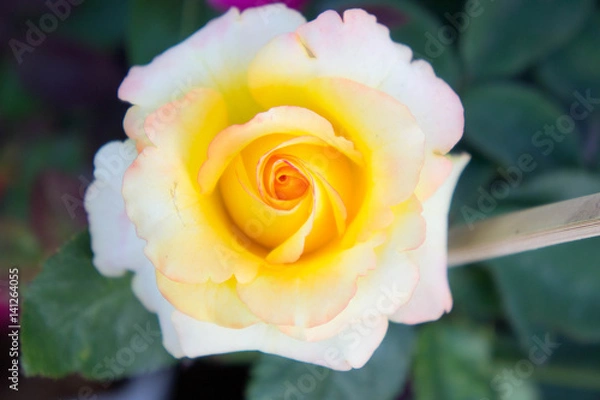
x: 145, y: 288
x: 189, y: 235
x: 302, y: 295
x: 350, y: 349
x: 436, y: 170
x: 211, y: 302
x: 293, y: 246
x: 216, y: 57
x: 293, y: 121
x: 394, y: 154
x: 115, y: 245
x: 133, y: 124
x: 256, y: 219
x: 387, y: 136
x: 387, y: 287
x: 359, y: 49
x: 432, y: 296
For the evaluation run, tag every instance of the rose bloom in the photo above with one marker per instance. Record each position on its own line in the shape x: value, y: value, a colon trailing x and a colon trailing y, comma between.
x: 284, y: 188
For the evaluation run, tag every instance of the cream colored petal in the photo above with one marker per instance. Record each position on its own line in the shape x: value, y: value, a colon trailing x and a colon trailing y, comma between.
x: 217, y: 57
x: 210, y: 302
x: 312, y: 291
x: 432, y: 297
x: 145, y: 288
x: 115, y: 245
x: 349, y: 349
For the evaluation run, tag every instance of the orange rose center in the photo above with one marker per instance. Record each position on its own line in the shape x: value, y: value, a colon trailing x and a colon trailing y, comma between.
x: 289, y: 183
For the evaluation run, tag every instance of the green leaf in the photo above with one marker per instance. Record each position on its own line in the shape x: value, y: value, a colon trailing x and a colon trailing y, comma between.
x: 552, y: 360
x: 474, y: 294
x: 506, y: 122
x: 382, y: 378
x: 18, y: 244
x: 452, y: 362
x: 554, y: 289
x: 572, y: 365
x: 510, y: 35
x: 556, y: 186
x: 575, y: 67
x: 478, y: 173
x: 525, y: 390
x: 77, y: 321
x: 562, y: 393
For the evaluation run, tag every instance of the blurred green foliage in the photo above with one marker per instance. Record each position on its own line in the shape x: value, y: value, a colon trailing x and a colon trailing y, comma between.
x: 72, y: 312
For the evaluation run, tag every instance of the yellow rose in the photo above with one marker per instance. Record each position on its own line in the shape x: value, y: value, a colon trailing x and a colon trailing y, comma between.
x: 286, y: 187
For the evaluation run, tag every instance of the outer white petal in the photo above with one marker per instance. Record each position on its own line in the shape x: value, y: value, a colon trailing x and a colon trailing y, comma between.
x: 351, y: 348
x: 115, y: 244
x: 217, y: 57
x: 432, y: 297
x: 436, y: 107
x: 145, y: 288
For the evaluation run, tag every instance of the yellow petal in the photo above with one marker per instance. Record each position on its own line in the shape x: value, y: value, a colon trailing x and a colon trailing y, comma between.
x: 189, y: 235
x: 381, y: 128
x: 292, y: 121
x: 313, y: 290
x: 262, y: 223
x: 386, y: 288
x: 218, y: 303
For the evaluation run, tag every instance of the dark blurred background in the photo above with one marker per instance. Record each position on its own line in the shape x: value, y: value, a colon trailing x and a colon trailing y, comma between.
x: 516, y: 67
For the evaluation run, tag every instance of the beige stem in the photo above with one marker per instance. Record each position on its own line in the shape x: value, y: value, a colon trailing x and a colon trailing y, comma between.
x: 529, y: 229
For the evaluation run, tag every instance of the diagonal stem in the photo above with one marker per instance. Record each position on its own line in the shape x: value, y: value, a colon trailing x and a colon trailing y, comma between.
x: 529, y: 229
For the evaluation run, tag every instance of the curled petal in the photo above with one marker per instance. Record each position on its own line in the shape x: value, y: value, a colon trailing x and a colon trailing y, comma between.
x: 436, y: 170
x: 292, y: 121
x: 432, y: 296
x: 387, y: 136
x: 211, y: 302
x: 257, y: 220
x: 133, y: 124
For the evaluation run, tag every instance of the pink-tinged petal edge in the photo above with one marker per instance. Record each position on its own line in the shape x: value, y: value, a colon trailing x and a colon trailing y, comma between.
x: 432, y: 297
